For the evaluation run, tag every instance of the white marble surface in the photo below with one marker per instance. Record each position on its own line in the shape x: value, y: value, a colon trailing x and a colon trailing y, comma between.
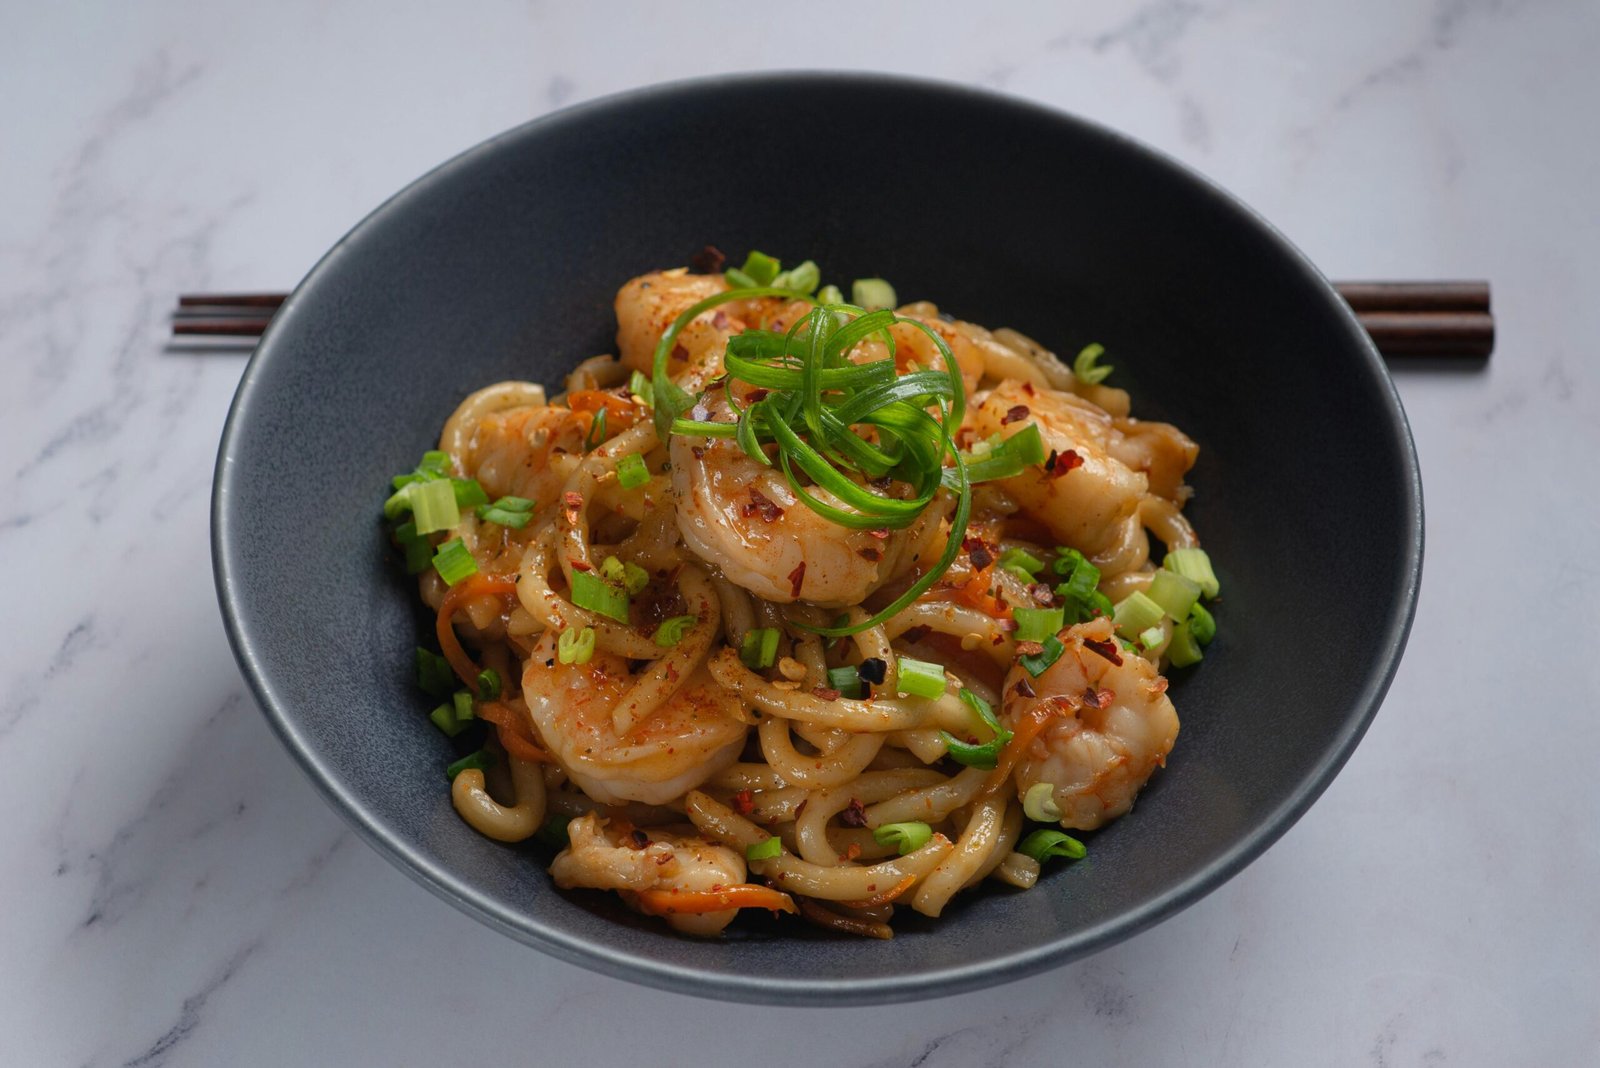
x: 172, y: 891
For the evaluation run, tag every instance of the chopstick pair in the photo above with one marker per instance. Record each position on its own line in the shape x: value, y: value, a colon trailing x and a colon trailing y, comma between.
x: 1443, y: 319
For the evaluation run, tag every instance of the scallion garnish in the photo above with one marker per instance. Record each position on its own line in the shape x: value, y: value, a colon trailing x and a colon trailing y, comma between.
x: 591, y: 591
x: 444, y: 717
x: 1202, y: 624
x: 462, y: 699
x: 760, y: 648
x: 759, y: 269
x: 1079, y: 592
x: 1195, y: 565
x: 1136, y: 612
x: 418, y: 549
x: 1037, y: 624
x: 554, y: 832
x: 919, y: 678
x: 1010, y: 457
x: 847, y: 680
x: 488, y: 684
x: 639, y: 386
x: 1087, y: 368
x: 801, y: 278
x: 454, y: 562
x: 671, y: 631
x: 434, y: 674
x: 872, y: 294
x: 634, y: 578
x: 597, y: 432
x: 904, y: 837
x: 1184, y: 650
x: 433, y: 505
x: 469, y: 494
x: 632, y: 472
x: 1151, y: 637
x: 978, y: 756
x: 1039, y: 803
x: 1024, y: 561
x: 575, y: 646
x: 481, y: 759
x: 513, y: 512
x: 1036, y: 663
x: 765, y: 849
x: 1174, y: 593
x: 1044, y: 844
x: 830, y: 294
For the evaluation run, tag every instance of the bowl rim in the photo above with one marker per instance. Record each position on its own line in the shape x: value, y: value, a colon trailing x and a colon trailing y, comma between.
x: 639, y: 967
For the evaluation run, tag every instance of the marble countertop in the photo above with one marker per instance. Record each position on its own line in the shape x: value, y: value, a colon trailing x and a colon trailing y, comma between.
x: 174, y: 892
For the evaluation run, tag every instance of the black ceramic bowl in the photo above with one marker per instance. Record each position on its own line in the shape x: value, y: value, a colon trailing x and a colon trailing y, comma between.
x: 503, y: 263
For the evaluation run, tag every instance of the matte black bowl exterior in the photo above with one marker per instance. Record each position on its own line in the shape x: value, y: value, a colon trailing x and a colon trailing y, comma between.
x: 502, y: 264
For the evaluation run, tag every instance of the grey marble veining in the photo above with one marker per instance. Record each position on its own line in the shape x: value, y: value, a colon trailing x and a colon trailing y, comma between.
x: 173, y: 891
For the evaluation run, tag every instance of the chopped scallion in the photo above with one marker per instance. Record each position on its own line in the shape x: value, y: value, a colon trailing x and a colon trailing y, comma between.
x: 978, y: 756
x: 1174, y: 593
x: 1135, y: 613
x: 634, y: 578
x: 1044, y: 844
x: 631, y: 471
x: 765, y: 849
x: 597, y: 595
x: 1022, y: 558
x: 1202, y: 624
x: 1195, y: 565
x: 919, y: 678
x: 597, y: 432
x: 760, y: 648
x: 454, y: 562
x: 513, y: 512
x: 480, y: 760
x: 462, y: 699
x: 489, y: 684
x: 444, y: 717
x: 873, y: 294
x: 801, y: 278
x: 1037, y: 624
x: 847, y: 680
x: 639, y: 386
x: 760, y: 268
x: 418, y: 549
x: 1036, y: 663
x: 1151, y: 637
x: 671, y: 631
x: 1039, y: 803
x: 575, y: 646
x: 904, y: 837
x: 1087, y: 368
x: 830, y: 294
x: 434, y: 674
x: 433, y: 504
x: 1184, y: 650
x: 469, y: 494
x: 1011, y: 457
x: 554, y: 832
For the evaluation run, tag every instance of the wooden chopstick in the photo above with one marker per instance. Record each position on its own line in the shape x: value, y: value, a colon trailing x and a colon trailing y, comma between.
x: 1434, y: 319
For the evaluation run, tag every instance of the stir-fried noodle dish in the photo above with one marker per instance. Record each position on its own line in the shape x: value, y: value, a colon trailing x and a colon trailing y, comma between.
x: 807, y: 601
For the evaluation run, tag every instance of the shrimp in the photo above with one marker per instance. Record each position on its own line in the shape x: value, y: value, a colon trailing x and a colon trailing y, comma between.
x: 670, y: 750
x: 1090, y: 502
x: 1121, y: 729
x: 647, y: 306
x: 742, y: 516
x: 601, y: 858
x: 526, y: 451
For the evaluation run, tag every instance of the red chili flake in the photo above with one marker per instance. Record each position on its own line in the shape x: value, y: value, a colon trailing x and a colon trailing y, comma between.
x: 851, y: 851
x: 1029, y: 648
x: 825, y: 693
x: 708, y: 260
x: 869, y: 553
x: 1005, y: 625
x: 720, y: 320
x: 800, y: 809
x: 978, y: 553
x: 756, y: 396
x: 1023, y: 688
x: 881, y: 484
x: 796, y: 577
x: 581, y: 565
x: 882, y: 533
x: 697, y: 451
x: 1042, y: 594
x: 854, y: 814
x: 916, y: 634
x: 664, y: 859
x: 762, y: 505
x: 873, y: 669
x: 744, y: 802
x: 573, y: 501
x: 1015, y: 414
x: 680, y: 353
x: 1097, y: 698
x: 638, y: 838
x: 1105, y: 649
x: 1027, y: 387
x: 672, y: 672
x: 1059, y: 463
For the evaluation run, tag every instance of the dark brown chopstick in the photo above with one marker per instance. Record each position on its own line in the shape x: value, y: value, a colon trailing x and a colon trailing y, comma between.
x: 1429, y: 319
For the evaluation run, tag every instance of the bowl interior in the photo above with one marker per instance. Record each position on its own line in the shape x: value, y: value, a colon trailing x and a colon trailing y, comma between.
x: 503, y: 264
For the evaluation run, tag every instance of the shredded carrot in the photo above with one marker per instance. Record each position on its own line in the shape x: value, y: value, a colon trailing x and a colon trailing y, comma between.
x: 1023, y: 733
x: 695, y: 902
x: 479, y: 585
x: 515, y: 737
x: 975, y: 592
x: 827, y: 918
x: 884, y: 897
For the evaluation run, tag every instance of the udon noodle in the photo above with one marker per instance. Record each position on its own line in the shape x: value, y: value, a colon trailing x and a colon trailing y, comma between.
x: 676, y: 668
